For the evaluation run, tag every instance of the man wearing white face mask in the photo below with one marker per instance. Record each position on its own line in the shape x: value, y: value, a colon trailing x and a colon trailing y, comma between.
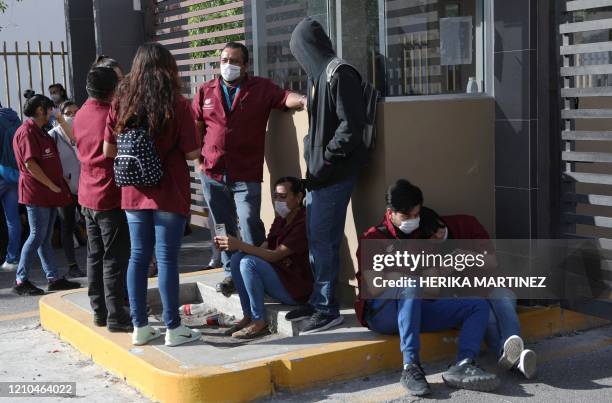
x: 232, y: 114
x: 72, y: 170
x: 408, y: 315
x: 278, y: 268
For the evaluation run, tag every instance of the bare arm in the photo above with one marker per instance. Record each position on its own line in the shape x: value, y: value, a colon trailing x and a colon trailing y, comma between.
x: 38, y: 174
x: 295, y: 101
x: 193, y: 155
x: 110, y: 150
x: 271, y: 256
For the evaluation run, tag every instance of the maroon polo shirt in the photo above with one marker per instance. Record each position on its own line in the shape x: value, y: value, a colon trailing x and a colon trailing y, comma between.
x: 234, y: 142
x: 32, y: 143
x: 97, y: 188
x: 172, y: 194
x: 294, y: 271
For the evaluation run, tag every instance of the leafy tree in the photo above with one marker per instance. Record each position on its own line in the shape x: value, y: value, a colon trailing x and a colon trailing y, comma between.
x: 3, y: 7
x: 213, y: 28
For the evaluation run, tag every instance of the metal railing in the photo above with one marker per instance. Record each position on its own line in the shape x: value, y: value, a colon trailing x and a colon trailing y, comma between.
x: 19, y: 60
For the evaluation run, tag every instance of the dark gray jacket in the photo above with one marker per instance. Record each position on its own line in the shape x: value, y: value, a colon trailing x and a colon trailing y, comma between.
x: 334, y: 148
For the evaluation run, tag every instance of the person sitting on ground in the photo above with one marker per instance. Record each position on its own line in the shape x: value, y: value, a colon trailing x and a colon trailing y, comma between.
x: 503, y: 330
x: 279, y: 268
x: 72, y: 171
x: 408, y: 315
x: 42, y: 189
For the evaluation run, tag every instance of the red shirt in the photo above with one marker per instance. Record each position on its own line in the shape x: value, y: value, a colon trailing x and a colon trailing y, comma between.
x: 172, y: 194
x: 32, y: 143
x: 97, y: 188
x: 294, y: 271
x: 234, y: 144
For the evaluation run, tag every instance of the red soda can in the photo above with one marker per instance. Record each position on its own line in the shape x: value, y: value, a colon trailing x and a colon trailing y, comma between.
x: 212, y: 320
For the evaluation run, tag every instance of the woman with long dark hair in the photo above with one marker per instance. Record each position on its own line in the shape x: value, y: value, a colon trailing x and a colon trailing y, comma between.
x: 42, y: 189
x: 149, y: 98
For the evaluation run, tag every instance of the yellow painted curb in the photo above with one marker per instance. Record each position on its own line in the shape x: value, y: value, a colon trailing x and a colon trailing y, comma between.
x: 162, y: 378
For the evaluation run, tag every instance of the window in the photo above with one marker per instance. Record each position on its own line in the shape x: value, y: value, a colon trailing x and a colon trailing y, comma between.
x: 418, y: 47
x: 404, y: 47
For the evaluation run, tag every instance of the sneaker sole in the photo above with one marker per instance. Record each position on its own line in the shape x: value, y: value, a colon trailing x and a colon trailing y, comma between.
x: 479, y: 385
x: 298, y: 319
x: 331, y: 324
x: 528, y: 365
x: 29, y: 293
x: 513, y: 347
x: 185, y: 341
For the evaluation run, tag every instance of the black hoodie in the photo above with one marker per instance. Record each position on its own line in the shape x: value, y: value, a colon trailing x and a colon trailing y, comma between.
x: 334, y: 148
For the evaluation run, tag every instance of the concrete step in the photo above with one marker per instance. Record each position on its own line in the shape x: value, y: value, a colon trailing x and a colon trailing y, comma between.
x: 275, y: 311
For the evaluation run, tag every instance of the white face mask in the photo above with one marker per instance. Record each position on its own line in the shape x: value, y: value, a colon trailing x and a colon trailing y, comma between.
x: 410, y: 226
x: 229, y: 72
x: 69, y: 120
x: 281, y: 208
x: 56, y: 98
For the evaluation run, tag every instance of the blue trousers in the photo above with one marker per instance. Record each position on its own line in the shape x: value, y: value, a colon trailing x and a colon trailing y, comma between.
x: 325, y: 218
x: 162, y: 231
x: 254, y: 278
x: 41, y: 220
x: 10, y: 204
x: 233, y: 202
x: 410, y: 317
x: 503, y: 320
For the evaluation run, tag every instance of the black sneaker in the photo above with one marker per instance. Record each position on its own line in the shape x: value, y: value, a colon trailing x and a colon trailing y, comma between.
x: 413, y: 380
x: 226, y: 287
x: 27, y: 288
x: 120, y: 327
x: 100, y: 320
x: 320, y: 321
x: 301, y: 313
x: 467, y: 375
x: 62, y: 284
x: 75, y: 272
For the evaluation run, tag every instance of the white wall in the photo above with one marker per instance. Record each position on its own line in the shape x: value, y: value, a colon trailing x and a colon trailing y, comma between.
x: 32, y: 20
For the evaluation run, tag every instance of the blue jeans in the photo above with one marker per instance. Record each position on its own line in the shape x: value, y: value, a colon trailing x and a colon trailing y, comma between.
x: 325, y: 218
x: 254, y: 277
x: 233, y: 202
x: 10, y: 204
x: 503, y: 320
x: 410, y: 317
x: 41, y: 220
x: 162, y: 231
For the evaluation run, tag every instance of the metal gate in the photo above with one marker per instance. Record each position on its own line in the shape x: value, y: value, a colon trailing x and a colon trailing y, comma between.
x: 586, y: 73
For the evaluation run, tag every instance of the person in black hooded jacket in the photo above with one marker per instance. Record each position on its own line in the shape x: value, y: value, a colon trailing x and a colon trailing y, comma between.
x: 335, y: 152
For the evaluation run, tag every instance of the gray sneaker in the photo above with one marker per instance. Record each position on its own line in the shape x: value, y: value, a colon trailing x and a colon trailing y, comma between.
x: 467, y: 375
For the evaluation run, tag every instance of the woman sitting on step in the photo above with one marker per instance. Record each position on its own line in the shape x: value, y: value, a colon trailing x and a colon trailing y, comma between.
x: 279, y: 267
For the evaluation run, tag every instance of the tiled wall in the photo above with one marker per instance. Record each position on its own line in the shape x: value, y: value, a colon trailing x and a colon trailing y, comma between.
x: 516, y: 118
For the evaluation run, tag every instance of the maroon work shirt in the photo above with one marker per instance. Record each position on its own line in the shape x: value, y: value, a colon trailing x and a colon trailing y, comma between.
x: 172, y: 194
x: 294, y: 271
x: 33, y: 143
x: 97, y: 188
x: 234, y: 142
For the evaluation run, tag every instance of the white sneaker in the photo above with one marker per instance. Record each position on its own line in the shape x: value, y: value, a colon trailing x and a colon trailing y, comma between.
x: 511, y: 353
x: 528, y: 364
x: 143, y: 335
x: 181, y: 335
x: 6, y: 266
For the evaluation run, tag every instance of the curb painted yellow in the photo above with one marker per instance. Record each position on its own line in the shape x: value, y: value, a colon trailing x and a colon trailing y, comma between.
x: 162, y: 378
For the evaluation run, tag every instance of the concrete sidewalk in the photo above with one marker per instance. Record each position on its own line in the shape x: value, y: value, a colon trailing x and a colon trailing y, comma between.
x: 218, y: 368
